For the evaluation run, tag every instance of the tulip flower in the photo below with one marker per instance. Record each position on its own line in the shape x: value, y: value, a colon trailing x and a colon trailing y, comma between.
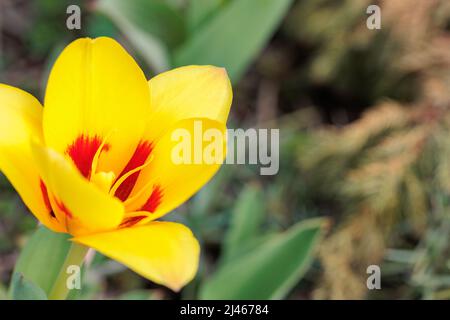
x: 95, y: 161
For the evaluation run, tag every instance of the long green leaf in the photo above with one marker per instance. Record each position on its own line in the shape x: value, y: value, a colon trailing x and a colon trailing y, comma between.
x: 154, y: 17
x: 269, y: 271
x: 234, y: 36
x: 23, y: 289
x: 246, y: 220
x: 150, y: 26
x: 42, y: 257
x: 199, y: 11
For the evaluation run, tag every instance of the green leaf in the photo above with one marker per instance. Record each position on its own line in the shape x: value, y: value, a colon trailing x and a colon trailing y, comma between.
x: 246, y: 220
x: 42, y: 257
x: 23, y: 289
x: 235, y: 36
x: 150, y: 26
x: 154, y: 17
x: 199, y: 11
x: 270, y: 270
x: 99, y: 25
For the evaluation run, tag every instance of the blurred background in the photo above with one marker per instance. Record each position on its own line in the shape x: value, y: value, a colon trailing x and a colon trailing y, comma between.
x: 364, y: 152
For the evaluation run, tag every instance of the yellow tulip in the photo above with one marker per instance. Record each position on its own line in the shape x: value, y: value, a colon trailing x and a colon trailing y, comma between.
x: 95, y: 161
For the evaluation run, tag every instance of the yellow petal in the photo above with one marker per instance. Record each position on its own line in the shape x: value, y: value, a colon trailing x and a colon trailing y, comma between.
x: 20, y: 120
x: 166, y: 182
x: 87, y: 208
x: 164, y: 252
x: 96, y: 91
x: 188, y: 92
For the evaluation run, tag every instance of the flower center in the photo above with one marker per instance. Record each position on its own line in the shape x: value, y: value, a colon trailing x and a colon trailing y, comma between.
x: 103, y: 180
x: 85, y: 152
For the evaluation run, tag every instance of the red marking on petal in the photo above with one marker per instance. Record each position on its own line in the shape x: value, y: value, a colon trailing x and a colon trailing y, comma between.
x: 154, y: 200
x: 131, y: 221
x: 139, y: 157
x: 46, y: 198
x: 63, y: 208
x: 83, y: 150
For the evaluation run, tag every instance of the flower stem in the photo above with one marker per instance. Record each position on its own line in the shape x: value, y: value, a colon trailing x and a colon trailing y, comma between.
x: 75, y: 256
